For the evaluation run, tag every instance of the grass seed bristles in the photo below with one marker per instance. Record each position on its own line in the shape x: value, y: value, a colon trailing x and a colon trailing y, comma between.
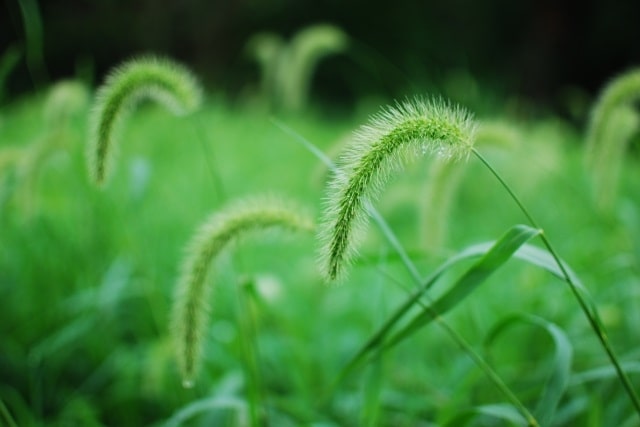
x: 161, y: 80
x: 389, y: 140
x: 222, y: 229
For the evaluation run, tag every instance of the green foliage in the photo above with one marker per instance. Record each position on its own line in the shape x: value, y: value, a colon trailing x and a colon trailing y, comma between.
x: 88, y: 280
x: 161, y: 80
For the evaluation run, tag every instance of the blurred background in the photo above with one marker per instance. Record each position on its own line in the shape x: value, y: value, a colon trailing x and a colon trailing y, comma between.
x: 87, y: 276
x: 533, y: 48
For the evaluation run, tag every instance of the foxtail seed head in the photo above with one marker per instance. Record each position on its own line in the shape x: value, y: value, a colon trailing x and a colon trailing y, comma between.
x: 221, y: 230
x: 161, y: 80
x: 389, y: 140
x: 621, y: 90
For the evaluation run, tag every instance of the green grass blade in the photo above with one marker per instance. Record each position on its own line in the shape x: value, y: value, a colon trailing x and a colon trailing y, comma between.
x: 607, y: 372
x: 558, y: 380
x: 501, y: 412
x: 216, y: 403
x: 491, y: 261
x: 6, y: 415
x: 380, y: 335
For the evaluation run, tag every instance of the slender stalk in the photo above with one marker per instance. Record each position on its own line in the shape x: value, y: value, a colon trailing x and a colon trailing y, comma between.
x: 488, y: 370
x: 246, y: 320
x: 592, y: 315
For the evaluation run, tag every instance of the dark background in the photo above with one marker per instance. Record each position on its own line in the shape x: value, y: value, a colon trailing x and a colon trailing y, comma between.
x: 532, y: 48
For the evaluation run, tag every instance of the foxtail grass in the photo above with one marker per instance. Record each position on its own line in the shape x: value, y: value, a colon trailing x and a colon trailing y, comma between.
x: 161, y: 80
x: 287, y: 68
x: 224, y: 228
x: 389, y: 140
x: 611, y: 124
x: 423, y: 126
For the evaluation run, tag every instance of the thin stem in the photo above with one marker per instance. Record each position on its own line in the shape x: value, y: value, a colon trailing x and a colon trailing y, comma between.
x: 394, y: 242
x: 248, y: 342
x: 597, y: 327
x: 208, y: 158
x: 488, y: 370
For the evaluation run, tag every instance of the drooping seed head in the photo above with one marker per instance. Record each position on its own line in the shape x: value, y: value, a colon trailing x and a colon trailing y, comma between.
x: 389, y: 140
x: 164, y: 81
x: 623, y: 89
x: 224, y: 228
x: 612, y: 124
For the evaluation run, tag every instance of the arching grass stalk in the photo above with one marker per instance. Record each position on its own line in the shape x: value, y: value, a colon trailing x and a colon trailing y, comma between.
x: 236, y: 222
x: 158, y: 79
x: 287, y: 68
x: 587, y: 306
x: 612, y: 122
x: 417, y: 279
x: 391, y: 139
x: 622, y: 90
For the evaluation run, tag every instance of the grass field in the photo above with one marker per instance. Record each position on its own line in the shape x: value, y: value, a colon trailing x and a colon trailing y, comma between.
x: 87, y: 278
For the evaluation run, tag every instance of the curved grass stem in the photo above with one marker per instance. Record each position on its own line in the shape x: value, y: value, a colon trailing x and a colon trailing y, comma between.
x: 590, y: 312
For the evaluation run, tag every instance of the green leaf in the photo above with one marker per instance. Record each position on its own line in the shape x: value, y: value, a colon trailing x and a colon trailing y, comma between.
x: 561, y: 367
x: 502, y: 412
x: 602, y: 373
x: 208, y: 404
x: 378, y: 338
x: 543, y: 259
x: 491, y: 261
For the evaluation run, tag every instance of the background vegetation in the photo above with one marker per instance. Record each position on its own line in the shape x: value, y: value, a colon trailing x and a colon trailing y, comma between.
x: 87, y: 275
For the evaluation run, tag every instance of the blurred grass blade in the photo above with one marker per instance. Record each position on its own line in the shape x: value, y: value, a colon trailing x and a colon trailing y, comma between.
x: 6, y: 415
x: 607, y: 372
x: 545, y: 260
x: 491, y: 261
x: 33, y: 28
x: 206, y: 405
x: 8, y: 61
x: 501, y: 412
x: 558, y: 381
